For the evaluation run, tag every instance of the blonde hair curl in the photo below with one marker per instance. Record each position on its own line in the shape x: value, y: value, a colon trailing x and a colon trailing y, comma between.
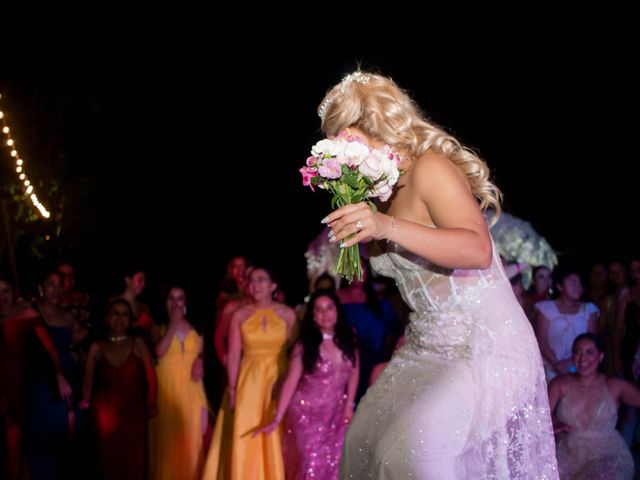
x: 382, y: 110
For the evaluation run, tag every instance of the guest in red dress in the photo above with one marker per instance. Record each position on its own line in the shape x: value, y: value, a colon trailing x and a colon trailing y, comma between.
x: 121, y: 375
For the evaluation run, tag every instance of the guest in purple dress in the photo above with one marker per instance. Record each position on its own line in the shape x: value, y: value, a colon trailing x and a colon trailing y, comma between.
x: 318, y: 393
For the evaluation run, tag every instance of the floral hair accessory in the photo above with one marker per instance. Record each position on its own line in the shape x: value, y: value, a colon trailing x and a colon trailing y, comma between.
x: 358, y: 76
x: 353, y: 172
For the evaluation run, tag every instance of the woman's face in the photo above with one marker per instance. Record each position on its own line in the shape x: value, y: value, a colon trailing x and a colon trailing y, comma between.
x: 52, y: 289
x: 617, y: 274
x: 586, y: 357
x: 237, y: 267
x: 118, y: 319
x: 325, y: 314
x: 67, y: 272
x: 137, y: 282
x: 6, y: 296
x: 598, y: 275
x: 542, y: 280
x: 571, y: 287
x: 176, y: 300
x: 260, y: 285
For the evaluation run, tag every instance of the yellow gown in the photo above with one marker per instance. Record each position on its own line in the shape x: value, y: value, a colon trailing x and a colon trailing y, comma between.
x: 175, y: 434
x: 234, y: 454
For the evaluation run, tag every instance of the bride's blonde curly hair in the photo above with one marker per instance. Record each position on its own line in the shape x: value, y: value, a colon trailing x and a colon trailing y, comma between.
x: 382, y: 110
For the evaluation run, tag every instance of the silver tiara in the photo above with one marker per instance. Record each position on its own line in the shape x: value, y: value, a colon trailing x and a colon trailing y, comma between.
x: 358, y: 76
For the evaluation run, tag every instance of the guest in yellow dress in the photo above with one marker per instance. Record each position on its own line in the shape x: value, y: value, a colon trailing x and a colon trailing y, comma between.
x: 257, y: 346
x: 175, y: 435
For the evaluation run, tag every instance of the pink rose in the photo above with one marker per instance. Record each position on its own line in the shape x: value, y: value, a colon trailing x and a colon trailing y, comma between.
x: 330, y: 168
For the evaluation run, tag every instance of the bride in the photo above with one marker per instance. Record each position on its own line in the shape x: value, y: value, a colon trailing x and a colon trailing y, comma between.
x: 466, y: 396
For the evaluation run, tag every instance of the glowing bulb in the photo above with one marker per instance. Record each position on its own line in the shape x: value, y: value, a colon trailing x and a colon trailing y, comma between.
x: 21, y: 174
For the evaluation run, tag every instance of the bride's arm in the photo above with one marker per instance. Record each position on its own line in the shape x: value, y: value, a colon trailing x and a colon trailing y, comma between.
x: 461, y: 239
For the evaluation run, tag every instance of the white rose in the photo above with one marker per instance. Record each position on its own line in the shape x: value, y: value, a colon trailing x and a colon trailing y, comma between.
x: 391, y: 171
x: 355, y: 153
x: 382, y: 191
x: 338, y: 147
x: 371, y: 166
x: 321, y: 147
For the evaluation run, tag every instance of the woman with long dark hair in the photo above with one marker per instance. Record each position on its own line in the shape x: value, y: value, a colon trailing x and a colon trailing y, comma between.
x: 319, y: 391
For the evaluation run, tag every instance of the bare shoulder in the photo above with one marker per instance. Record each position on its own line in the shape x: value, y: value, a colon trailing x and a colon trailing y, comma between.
x: 94, y: 351
x: 616, y: 386
x: 432, y: 169
x: 297, y: 350
x: 241, y: 314
x: 445, y: 191
x: 562, y: 383
x: 624, y: 295
x: 27, y: 311
x: 285, y: 312
x: 140, y: 347
x: 230, y: 306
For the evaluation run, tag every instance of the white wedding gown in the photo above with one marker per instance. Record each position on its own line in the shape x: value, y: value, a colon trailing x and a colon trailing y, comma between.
x: 466, y: 397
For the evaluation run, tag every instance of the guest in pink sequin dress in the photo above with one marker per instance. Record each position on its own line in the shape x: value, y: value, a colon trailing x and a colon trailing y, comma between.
x: 318, y: 393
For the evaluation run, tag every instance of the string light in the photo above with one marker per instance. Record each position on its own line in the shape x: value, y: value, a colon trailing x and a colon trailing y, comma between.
x: 20, y: 168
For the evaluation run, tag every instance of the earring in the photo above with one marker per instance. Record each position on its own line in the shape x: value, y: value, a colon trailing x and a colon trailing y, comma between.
x: 184, y: 311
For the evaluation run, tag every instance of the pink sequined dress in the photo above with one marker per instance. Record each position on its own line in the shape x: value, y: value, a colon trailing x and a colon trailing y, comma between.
x: 314, y: 426
x: 466, y: 397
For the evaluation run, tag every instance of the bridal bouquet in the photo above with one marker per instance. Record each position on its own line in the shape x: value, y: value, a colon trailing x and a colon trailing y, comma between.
x: 353, y: 172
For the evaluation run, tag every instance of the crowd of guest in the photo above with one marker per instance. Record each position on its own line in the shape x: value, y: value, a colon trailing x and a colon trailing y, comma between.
x: 117, y: 390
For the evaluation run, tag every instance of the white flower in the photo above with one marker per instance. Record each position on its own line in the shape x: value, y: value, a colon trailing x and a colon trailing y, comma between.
x: 390, y: 170
x: 382, y: 190
x: 355, y: 153
x: 326, y: 146
x: 372, y: 165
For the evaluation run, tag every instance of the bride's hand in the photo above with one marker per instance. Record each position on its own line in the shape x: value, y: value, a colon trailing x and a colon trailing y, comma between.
x: 357, y: 219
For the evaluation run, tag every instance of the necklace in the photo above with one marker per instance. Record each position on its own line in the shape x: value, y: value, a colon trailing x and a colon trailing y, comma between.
x: 118, y: 338
x: 327, y: 336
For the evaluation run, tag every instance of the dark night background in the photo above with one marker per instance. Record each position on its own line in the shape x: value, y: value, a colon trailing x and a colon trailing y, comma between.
x: 180, y: 158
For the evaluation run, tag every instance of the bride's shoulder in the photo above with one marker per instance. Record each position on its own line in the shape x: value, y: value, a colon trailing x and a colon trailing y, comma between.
x: 435, y: 171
